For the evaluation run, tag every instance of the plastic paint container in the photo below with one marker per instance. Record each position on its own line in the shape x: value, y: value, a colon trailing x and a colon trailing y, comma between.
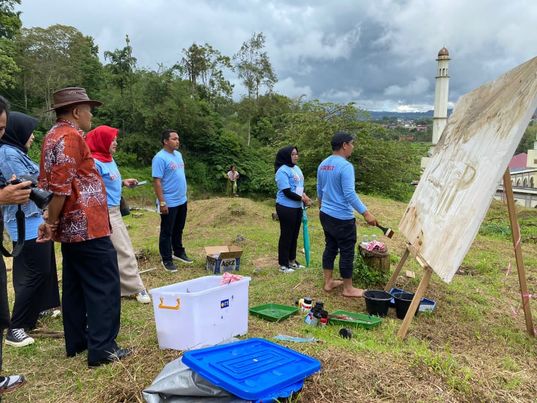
x: 377, y: 302
x: 402, y: 302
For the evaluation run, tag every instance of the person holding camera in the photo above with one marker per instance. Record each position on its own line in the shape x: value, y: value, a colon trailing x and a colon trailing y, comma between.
x: 9, y: 194
x: 102, y: 144
x: 78, y: 218
x: 35, y: 279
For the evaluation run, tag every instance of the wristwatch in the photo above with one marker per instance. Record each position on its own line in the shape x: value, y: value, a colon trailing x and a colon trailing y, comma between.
x: 162, y: 204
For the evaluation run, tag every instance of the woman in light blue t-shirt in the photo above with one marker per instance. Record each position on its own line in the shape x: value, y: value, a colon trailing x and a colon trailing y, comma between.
x: 102, y: 144
x: 289, y: 202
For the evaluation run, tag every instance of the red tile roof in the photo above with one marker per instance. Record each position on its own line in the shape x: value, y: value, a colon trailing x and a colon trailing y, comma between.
x: 518, y: 161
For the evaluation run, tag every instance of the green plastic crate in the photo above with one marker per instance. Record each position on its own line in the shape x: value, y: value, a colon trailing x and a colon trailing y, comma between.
x: 356, y: 319
x: 273, y: 312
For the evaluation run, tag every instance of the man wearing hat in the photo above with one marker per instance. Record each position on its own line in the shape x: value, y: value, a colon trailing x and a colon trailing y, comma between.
x: 78, y: 218
x: 337, y: 201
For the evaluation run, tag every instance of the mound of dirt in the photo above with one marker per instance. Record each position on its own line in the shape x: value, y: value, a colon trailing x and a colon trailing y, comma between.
x: 215, y: 212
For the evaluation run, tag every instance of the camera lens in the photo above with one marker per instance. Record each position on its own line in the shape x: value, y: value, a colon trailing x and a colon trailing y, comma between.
x: 40, y: 197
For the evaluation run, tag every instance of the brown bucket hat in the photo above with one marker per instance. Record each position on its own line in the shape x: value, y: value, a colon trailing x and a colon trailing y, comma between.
x: 71, y: 96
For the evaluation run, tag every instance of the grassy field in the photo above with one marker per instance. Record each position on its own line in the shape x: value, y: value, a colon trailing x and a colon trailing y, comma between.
x: 474, y: 347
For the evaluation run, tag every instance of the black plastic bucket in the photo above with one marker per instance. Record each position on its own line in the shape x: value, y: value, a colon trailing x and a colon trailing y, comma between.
x: 403, y: 300
x: 377, y: 302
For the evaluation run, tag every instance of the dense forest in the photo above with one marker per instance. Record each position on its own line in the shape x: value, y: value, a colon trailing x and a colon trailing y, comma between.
x: 194, y: 96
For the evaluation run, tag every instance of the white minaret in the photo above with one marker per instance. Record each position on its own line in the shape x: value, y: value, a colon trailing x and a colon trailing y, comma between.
x: 441, y: 95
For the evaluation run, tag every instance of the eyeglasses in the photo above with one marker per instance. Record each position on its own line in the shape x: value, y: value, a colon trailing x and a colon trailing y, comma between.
x: 293, y: 154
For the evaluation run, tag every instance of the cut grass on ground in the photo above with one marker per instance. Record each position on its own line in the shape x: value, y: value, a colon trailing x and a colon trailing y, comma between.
x: 474, y: 347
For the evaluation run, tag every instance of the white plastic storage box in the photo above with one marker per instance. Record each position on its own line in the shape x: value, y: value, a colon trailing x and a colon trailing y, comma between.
x: 200, y: 312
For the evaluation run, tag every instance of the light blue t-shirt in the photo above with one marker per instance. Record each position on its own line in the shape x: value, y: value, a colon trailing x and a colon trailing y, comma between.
x: 112, y: 181
x: 289, y: 178
x: 335, y: 188
x: 170, y: 169
x: 14, y: 162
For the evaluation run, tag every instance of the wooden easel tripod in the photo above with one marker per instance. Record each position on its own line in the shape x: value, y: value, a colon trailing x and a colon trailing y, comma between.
x: 424, y: 283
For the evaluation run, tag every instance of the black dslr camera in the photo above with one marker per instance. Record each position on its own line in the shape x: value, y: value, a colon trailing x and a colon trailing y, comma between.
x: 40, y: 197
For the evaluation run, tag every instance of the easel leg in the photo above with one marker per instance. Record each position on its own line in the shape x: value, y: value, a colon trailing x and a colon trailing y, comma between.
x: 515, y: 231
x: 420, y: 292
x: 397, y: 270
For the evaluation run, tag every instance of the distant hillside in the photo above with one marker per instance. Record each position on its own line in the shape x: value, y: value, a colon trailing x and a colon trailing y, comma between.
x: 379, y: 115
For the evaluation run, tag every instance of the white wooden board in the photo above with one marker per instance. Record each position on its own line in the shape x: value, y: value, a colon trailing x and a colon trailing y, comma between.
x: 455, y: 191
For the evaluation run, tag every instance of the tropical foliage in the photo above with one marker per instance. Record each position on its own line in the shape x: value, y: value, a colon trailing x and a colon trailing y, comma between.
x: 194, y: 96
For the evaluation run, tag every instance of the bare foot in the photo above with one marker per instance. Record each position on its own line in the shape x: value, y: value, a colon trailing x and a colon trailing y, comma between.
x: 332, y: 284
x: 353, y: 293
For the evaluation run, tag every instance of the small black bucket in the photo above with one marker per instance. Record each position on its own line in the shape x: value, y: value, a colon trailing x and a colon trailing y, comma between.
x: 377, y: 302
x: 402, y: 302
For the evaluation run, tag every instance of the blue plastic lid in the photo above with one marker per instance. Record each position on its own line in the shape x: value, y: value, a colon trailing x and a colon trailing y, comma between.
x: 251, y: 369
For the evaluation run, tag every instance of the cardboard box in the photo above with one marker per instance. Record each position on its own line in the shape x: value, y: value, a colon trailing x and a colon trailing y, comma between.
x: 223, y: 258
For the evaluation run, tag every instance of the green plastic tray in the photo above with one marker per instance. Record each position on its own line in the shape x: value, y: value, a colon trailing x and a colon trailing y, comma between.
x: 358, y: 319
x: 273, y: 312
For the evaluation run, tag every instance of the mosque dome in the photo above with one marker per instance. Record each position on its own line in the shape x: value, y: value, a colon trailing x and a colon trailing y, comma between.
x: 443, y: 52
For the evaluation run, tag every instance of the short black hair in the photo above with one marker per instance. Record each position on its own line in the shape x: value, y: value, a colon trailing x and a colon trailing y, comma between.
x: 4, y: 105
x: 165, y: 135
x: 339, y: 138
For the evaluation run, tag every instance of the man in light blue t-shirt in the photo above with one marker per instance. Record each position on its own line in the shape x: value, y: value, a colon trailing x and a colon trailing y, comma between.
x: 169, y: 182
x: 337, y: 201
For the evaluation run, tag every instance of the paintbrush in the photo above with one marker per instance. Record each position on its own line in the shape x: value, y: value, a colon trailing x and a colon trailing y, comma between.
x: 386, y: 231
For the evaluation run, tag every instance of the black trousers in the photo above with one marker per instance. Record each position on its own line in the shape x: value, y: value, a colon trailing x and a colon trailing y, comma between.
x: 290, y: 220
x: 339, y: 235
x: 4, y: 306
x: 91, y: 299
x: 36, y: 283
x: 171, y: 232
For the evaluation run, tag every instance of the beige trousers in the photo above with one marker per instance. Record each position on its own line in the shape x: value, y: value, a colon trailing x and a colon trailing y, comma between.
x: 129, y: 277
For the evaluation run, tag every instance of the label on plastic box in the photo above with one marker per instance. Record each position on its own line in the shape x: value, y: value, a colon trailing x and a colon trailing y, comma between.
x: 224, y: 303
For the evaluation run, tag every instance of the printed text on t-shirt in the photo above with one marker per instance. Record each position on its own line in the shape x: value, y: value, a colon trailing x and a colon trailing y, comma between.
x: 175, y: 166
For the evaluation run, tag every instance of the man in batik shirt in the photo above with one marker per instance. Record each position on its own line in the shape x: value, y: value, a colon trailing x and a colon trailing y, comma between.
x: 78, y: 218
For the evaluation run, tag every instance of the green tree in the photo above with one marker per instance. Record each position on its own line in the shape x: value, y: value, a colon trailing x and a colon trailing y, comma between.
x: 52, y: 58
x: 528, y: 139
x: 204, y: 68
x: 382, y: 166
x: 10, y: 22
x: 266, y: 116
x: 10, y: 25
x: 254, y: 67
x: 122, y: 65
x: 9, y: 67
x: 255, y: 70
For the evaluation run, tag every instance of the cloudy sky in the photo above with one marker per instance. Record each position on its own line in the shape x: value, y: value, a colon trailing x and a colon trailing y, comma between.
x: 380, y: 54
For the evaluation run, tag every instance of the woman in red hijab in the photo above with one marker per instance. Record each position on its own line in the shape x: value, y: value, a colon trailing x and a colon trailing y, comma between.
x: 102, y: 144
